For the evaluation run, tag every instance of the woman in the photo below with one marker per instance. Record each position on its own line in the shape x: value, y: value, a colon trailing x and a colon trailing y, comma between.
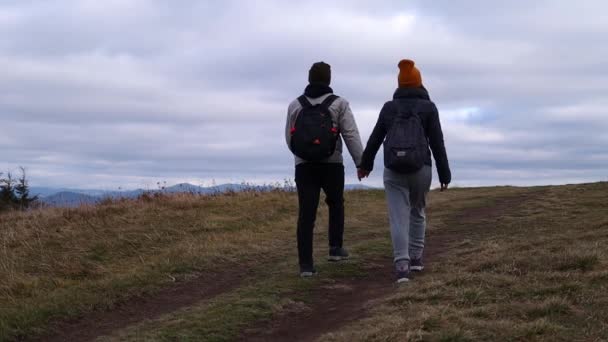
x: 410, y: 124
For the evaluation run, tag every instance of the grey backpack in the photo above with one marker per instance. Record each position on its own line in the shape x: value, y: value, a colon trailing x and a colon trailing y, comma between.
x: 406, y: 146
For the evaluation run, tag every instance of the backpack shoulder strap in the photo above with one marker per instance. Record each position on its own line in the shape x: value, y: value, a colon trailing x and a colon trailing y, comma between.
x: 416, y: 109
x: 329, y: 101
x: 304, y: 101
x: 399, y: 112
x: 413, y: 109
x: 397, y: 107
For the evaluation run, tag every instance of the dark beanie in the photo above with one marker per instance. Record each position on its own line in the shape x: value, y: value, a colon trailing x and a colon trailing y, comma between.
x: 320, y: 72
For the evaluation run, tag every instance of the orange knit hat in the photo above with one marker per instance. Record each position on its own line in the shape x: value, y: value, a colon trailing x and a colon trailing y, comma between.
x: 409, y: 75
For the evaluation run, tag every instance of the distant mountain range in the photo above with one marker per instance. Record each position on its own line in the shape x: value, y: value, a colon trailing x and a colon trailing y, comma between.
x: 65, y: 197
x: 69, y: 199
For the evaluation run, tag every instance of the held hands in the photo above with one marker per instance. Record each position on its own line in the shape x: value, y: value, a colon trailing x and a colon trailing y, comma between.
x: 361, y: 173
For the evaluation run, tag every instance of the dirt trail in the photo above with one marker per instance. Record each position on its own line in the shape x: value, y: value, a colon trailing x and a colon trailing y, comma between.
x: 136, y: 310
x: 333, y: 306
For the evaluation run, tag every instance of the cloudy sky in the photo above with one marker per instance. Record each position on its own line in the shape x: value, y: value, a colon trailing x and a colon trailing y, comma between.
x: 125, y: 93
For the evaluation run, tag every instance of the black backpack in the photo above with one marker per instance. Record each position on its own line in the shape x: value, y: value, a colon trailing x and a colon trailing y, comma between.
x: 313, y: 136
x: 406, y: 145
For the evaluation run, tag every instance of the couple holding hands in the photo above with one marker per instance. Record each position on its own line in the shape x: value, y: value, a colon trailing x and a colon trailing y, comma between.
x: 408, y: 126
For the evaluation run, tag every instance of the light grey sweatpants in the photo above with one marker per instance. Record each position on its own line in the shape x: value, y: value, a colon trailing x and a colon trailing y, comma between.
x: 406, y: 197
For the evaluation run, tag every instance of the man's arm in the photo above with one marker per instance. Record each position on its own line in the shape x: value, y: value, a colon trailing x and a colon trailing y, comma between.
x: 350, y: 133
x: 289, y: 124
x: 375, y: 141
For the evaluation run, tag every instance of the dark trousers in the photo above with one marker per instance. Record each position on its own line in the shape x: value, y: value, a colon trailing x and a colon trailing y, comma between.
x: 310, y: 179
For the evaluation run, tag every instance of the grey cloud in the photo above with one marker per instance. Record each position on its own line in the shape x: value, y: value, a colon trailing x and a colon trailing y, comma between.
x: 121, y: 92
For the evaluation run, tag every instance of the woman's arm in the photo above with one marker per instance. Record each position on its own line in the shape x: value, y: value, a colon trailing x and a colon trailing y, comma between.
x: 438, y: 148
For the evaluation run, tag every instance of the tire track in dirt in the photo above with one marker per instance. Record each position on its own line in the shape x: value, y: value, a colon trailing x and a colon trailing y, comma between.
x: 135, y: 310
x: 348, y: 301
x: 332, y: 306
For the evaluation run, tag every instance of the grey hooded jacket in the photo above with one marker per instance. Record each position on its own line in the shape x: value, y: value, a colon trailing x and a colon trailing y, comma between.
x: 344, y: 120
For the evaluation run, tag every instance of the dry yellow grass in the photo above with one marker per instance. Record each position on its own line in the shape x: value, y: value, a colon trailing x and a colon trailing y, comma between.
x: 535, y: 272
x: 60, y: 262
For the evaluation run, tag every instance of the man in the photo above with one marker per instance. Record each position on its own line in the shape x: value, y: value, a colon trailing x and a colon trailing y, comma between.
x: 315, y: 122
x: 410, y: 123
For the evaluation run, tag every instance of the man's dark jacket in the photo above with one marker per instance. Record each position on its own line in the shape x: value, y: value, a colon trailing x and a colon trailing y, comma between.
x: 430, y: 121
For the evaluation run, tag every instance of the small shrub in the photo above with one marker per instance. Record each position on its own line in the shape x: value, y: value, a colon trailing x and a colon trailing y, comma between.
x: 15, y: 193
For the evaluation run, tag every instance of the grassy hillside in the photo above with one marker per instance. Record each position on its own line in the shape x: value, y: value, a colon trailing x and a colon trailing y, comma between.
x: 537, y: 269
x: 504, y: 264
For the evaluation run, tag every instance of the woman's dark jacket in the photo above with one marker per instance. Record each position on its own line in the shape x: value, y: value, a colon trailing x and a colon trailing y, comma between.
x: 430, y: 121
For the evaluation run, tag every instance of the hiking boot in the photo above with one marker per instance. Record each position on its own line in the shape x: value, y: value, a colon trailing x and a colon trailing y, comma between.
x: 337, y: 254
x: 402, y: 269
x: 307, y: 271
x: 416, y: 265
